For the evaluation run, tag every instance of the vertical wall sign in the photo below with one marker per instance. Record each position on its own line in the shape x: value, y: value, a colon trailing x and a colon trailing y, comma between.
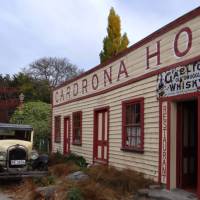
x: 164, y: 144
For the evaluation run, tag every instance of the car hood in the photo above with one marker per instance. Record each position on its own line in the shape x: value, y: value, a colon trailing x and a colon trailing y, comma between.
x: 5, y: 144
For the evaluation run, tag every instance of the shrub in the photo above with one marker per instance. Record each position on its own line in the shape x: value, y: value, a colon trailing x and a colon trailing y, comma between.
x: 37, y: 114
x: 75, y: 194
x: 79, y: 160
x: 64, y: 169
x: 44, y: 181
x: 57, y: 158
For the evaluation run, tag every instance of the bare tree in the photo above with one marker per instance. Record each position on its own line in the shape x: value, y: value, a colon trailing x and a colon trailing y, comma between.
x: 52, y: 69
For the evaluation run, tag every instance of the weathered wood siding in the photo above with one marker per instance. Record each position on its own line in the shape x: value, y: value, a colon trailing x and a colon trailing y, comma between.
x: 135, y: 63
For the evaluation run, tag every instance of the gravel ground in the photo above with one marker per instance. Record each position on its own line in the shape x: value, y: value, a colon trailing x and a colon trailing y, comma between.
x: 4, y: 196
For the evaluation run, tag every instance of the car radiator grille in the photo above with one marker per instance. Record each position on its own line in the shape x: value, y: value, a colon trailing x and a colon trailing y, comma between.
x: 18, y: 154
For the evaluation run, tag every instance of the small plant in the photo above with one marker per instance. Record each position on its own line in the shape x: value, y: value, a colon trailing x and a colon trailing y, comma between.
x: 79, y: 160
x: 64, y: 169
x: 44, y: 181
x: 75, y: 194
x: 57, y: 158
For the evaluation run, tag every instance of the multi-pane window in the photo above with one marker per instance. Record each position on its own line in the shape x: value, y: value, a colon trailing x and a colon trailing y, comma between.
x: 77, y: 128
x: 57, y: 129
x: 133, y: 124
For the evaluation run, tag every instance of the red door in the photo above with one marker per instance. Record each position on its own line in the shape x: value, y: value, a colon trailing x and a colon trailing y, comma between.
x: 187, y: 144
x: 101, y: 135
x: 66, y: 145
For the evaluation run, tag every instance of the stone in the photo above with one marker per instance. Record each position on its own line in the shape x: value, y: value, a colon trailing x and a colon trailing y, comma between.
x: 47, y: 193
x: 171, y: 195
x: 77, y: 176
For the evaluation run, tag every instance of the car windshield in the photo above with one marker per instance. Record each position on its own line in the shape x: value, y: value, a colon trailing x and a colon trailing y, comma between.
x: 15, y: 134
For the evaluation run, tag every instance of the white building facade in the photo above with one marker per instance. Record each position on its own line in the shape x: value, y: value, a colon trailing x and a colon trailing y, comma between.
x: 139, y: 110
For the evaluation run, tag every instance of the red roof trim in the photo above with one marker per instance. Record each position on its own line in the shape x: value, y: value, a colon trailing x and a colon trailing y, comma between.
x: 181, y: 20
x: 133, y: 80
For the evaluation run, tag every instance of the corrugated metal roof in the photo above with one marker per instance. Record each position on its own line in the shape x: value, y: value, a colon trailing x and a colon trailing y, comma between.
x: 15, y: 126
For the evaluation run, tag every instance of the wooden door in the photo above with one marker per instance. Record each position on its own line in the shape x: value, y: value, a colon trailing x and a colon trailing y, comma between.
x: 187, y: 144
x: 101, y: 136
x: 66, y: 140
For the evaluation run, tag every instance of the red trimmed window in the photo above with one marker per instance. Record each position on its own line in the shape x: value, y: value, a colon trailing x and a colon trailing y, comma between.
x: 133, y: 125
x: 57, y: 129
x: 77, y: 128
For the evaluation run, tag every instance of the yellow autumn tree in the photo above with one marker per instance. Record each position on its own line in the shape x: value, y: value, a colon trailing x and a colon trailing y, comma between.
x: 113, y: 43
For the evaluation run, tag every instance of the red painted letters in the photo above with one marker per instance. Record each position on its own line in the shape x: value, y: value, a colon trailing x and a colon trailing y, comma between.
x: 149, y: 56
x: 188, y: 32
x: 122, y: 70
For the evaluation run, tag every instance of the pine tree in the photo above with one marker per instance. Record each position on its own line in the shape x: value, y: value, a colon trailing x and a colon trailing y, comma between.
x: 113, y: 43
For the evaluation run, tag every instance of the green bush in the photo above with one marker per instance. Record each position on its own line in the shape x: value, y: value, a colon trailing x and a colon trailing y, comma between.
x: 57, y: 158
x: 75, y: 194
x: 38, y: 115
x: 79, y: 160
x: 44, y: 181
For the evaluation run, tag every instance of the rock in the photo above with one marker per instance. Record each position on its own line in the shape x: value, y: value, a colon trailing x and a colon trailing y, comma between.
x: 171, y: 195
x: 47, y: 193
x: 77, y: 176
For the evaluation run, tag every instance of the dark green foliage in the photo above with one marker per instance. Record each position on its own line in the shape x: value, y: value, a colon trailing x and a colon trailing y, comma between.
x: 37, y: 114
x: 74, y: 194
x: 32, y: 88
x: 57, y: 158
x: 79, y: 160
x: 5, y: 81
x: 37, y: 80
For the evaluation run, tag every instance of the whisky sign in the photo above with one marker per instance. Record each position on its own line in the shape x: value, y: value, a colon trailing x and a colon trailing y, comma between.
x: 180, y: 80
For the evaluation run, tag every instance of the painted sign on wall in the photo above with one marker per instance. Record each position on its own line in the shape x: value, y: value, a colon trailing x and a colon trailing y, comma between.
x: 180, y: 80
x: 164, y: 144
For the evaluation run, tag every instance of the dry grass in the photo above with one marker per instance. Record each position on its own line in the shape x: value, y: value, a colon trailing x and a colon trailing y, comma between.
x: 63, y: 169
x: 92, y: 190
x: 105, y: 183
x: 23, y: 190
x: 124, y: 181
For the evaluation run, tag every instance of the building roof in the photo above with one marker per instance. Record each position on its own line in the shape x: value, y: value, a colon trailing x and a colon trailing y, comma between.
x: 181, y: 20
x: 15, y: 126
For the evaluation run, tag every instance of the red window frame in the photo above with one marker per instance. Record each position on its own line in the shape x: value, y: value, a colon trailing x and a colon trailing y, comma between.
x: 125, y: 147
x: 75, y: 127
x: 57, y: 129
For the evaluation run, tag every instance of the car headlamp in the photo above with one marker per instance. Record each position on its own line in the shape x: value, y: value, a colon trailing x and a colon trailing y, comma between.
x: 34, y: 155
x: 2, y: 155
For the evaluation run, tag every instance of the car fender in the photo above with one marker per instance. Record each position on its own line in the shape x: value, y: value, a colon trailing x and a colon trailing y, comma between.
x: 41, y: 163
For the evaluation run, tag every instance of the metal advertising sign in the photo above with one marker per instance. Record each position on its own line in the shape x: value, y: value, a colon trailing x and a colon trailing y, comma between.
x: 180, y: 80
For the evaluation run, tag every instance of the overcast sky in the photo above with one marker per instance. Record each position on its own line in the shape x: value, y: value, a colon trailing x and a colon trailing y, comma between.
x: 31, y: 29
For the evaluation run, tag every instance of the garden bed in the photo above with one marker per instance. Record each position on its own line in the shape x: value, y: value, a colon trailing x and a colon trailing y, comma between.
x: 100, y: 182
